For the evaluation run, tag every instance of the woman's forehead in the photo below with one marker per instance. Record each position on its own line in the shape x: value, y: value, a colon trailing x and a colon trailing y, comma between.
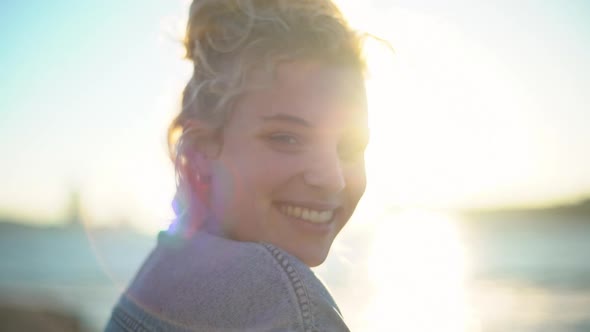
x: 317, y: 79
x: 311, y: 90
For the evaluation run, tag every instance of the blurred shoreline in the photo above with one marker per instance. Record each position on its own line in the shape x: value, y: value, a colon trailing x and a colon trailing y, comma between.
x: 537, y: 259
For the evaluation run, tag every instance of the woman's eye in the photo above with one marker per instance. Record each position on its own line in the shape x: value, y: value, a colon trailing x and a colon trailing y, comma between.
x: 284, y: 139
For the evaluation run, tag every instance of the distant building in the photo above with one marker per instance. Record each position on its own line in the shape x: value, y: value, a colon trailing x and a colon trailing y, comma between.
x: 74, y: 210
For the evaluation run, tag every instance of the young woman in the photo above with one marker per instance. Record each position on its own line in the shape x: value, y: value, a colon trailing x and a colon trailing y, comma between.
x: 269, y: 153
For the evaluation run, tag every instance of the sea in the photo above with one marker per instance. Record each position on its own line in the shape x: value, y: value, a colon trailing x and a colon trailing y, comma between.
x: 411, y: 271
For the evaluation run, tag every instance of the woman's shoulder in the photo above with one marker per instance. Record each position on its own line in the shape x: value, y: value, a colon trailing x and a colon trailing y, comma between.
x: 214, y: 283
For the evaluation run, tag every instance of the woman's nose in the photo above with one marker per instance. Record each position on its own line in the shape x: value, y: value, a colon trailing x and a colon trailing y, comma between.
x: 326, y: 173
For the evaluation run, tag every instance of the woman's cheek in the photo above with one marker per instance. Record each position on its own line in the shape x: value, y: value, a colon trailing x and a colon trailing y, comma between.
x: 357, y: 179
x: 281, y: 165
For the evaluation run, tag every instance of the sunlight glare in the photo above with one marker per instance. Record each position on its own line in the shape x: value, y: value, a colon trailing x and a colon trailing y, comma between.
x: 417, y: 268
x: 445, y: 113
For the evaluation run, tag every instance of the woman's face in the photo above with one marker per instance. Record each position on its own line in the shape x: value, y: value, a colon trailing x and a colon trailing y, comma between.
x: 291, y: 169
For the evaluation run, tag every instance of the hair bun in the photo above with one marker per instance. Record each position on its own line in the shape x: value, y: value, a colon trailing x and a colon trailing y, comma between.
x: 216, y: 26
x: 222, y: 26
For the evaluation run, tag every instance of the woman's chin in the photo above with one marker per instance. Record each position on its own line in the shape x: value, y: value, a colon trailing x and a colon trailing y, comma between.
x: 310, y: 256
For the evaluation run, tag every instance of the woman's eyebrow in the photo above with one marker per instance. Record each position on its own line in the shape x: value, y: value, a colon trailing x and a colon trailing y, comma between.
x: 281, y: 117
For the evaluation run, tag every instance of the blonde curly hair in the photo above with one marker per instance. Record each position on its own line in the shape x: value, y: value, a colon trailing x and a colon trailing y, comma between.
x: 230, y: 40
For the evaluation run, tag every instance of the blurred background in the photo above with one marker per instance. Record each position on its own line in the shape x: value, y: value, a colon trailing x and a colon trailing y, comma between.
x: 477, y: 211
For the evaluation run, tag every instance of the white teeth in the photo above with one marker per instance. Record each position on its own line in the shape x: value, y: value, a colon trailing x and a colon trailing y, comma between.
x: 318, y: 217
x: 314, y: 215
x: 305, y: 214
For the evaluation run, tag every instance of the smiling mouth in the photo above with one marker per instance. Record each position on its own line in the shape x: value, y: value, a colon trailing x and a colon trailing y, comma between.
x: 309, y: 215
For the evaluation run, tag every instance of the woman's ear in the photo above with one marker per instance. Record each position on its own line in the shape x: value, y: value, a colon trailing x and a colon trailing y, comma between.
x: 201, y: 164
x: 205, y: 148
x: 210, y: 145
x: 206, y: 140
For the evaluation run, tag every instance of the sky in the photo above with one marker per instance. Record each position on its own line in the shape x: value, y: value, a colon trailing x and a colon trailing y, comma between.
x: 480, y: 104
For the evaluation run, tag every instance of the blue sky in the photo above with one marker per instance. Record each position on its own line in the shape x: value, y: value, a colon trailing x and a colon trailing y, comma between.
x: 80, y: 82
x: 87, y: 89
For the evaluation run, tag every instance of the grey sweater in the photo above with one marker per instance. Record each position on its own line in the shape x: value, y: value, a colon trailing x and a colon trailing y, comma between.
x: 209, y: 283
